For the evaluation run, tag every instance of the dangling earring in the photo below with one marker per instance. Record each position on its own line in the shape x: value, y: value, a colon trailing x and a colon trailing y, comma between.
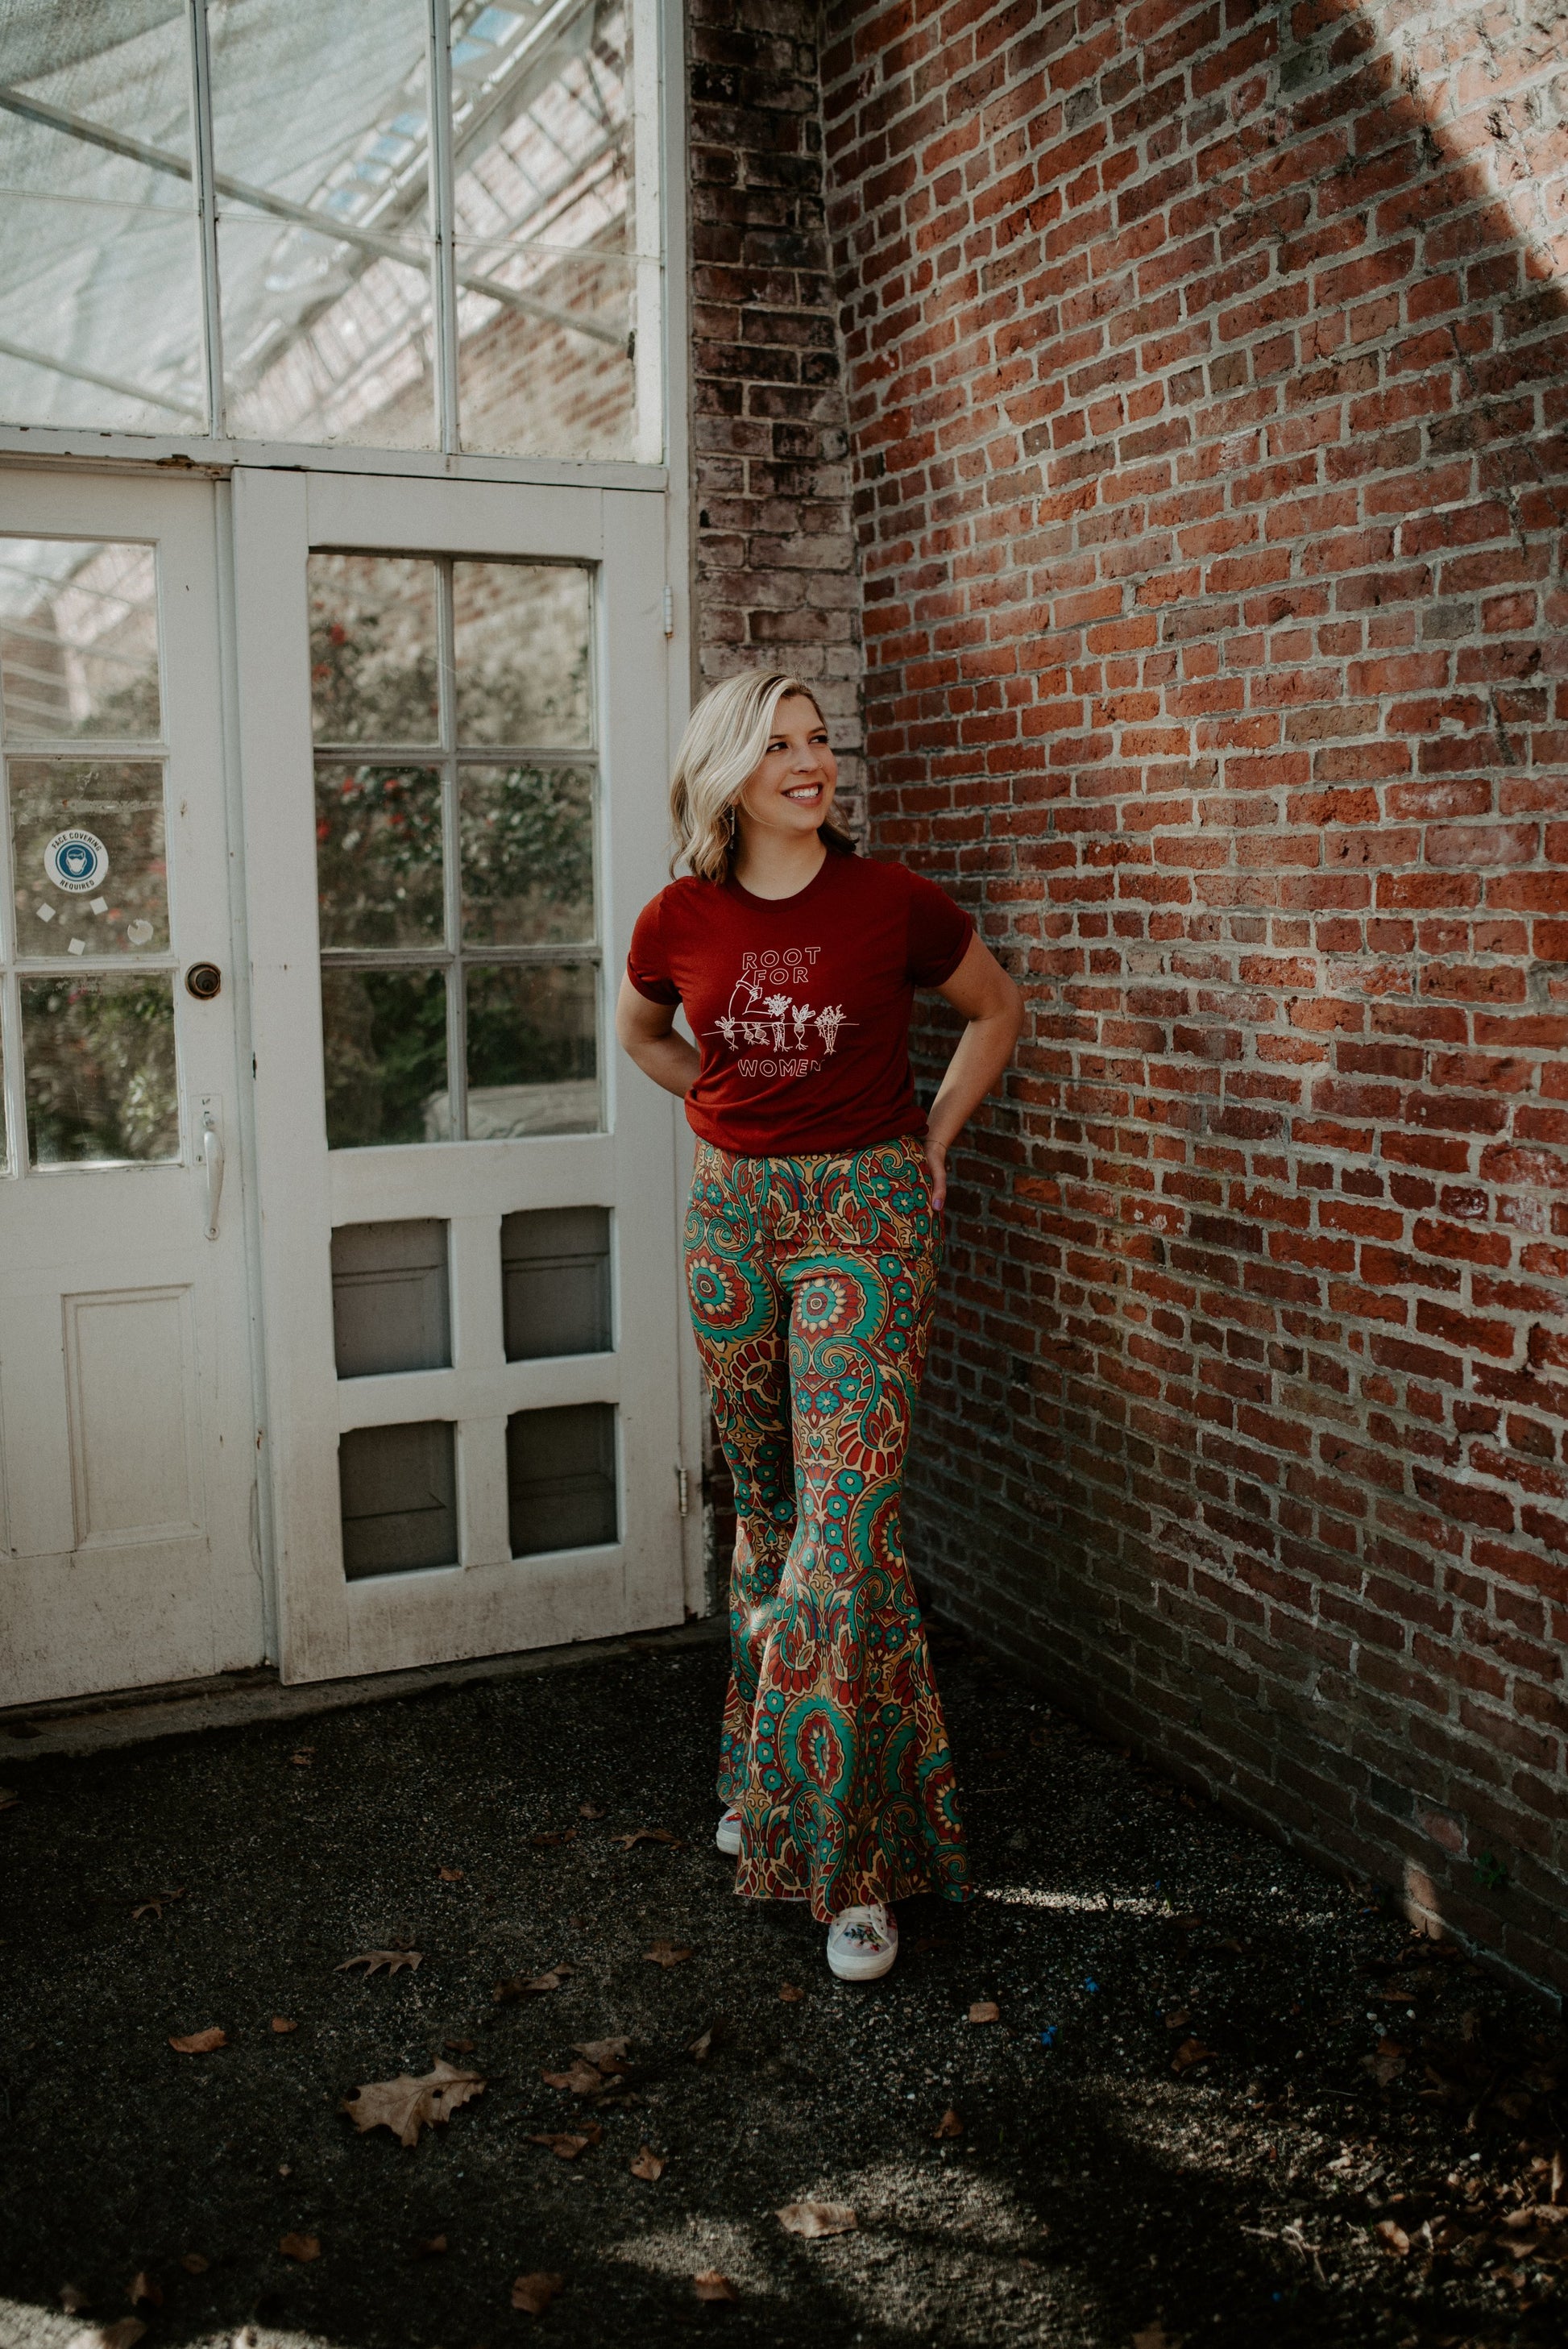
x: 730, y: 820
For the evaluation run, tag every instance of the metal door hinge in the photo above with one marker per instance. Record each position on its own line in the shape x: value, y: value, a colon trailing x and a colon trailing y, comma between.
x: 682, y: 1490
x: 669, y: 610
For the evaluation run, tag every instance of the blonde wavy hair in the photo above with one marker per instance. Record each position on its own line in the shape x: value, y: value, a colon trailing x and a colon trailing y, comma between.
x: 721, y: 750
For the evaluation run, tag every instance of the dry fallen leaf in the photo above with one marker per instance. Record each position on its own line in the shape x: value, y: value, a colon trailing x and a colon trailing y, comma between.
x: 647, y: 2163
x: 144, y: 2287
x: 406, y: 2106
x: 460, y: 2046
x: 451, y: 1875
x: 535, y: 2293
x: 1154, y: 2336
x: 154, y: 1905
x: 1386, y: 2064
x: 985, y: 2010
x: 374, y: 1960
x: 548, y: 1837
x: 431, y: 2248
x: 193, y: 2264
x: 201, y: 2043
x: 813, y: 2218
x: 1190, y: 2052
x: 304, y: 1758
x: 284, y: 2022
x: 582, y: 2079
x: 589, y: 1810
x: 609, y: 2054
x: 790, y: 1994
x: 667, y: 1953
x: 645, y: 1835
x: 564, y: 2144
x: 1394, y: 2236
x: 702, y: 2045
x: 120, y: 2335
x: 73, y: 2298
x: 711, y: 2285
x: 949, y: 2125
x: 523, y: 1985
x: 303, y: 2248
x: 1180, y: 2019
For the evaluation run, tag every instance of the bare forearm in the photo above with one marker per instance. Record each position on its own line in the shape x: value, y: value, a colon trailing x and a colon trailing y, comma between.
x: 669, y: 1060
x: 984, y: 1050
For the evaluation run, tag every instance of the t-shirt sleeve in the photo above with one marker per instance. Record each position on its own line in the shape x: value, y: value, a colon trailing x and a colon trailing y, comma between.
x: 939, y: 933
x: 646, y: 965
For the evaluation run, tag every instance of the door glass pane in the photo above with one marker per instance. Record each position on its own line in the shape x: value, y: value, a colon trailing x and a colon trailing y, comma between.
x: 99, y: 265
x: 385, y: 1037
x: 78, y: 639
x: 560, y: 1478
x: 390, y: 1304
x: 399, y: 1495
x: 320, y: 138
x: 372, y: 640
x: 97, y: 1053
x: 520, y: 631
x: 88, y: 856
x: 555, y: 1282
x: 532, y: 1050
x: 528, y: 856
x: 546, y: 210
x: 379, y: 855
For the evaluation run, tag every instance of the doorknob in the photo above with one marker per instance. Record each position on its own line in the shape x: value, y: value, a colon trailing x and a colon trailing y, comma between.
x: 213, y: 1158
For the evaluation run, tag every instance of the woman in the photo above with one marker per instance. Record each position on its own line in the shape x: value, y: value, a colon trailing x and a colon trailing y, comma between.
x: 813, y: 1240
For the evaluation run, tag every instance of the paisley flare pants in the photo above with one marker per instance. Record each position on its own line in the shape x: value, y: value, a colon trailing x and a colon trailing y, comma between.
x: 810, y: 1283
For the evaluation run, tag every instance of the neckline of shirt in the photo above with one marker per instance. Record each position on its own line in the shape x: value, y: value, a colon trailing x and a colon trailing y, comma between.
x: 774, y: 904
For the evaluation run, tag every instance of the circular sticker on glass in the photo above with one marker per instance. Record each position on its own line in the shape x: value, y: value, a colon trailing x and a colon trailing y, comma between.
x: 76, y: 861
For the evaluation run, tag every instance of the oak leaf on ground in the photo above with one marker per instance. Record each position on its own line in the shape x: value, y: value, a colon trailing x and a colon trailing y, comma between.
x: 406, y: 2106
x: 282, y: 2024
x: 564, y: 2144
x: 1154, y: 2336
x: 949, y: 2125
x: 813, y: 2218
x: 645, y: 1835
x: 193, y: 2264
x: 590, y: 1810
x: 201, y: 2043
x: 790, y: 1994
x: 647, y: 2164
x: 1190, y: 2052
x: 667, y: 1953
x: 581, y: 2080
x: 374, y: 1960
x: 711, y: 2285
x: 451, y: 1875
x: 534, y: 2293
x: 985, y: 2010
x: 303, y: 2248
x: 506, y: 1994
x: 609, y: 2054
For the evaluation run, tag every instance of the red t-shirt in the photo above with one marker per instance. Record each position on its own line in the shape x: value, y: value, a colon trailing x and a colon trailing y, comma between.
x: 800, y: 1005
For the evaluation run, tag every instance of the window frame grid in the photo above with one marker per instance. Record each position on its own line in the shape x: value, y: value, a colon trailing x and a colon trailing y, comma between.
x: 454, y: 957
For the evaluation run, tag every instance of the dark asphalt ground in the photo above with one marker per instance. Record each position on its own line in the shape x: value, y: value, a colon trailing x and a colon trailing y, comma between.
x: 1361, y: 2150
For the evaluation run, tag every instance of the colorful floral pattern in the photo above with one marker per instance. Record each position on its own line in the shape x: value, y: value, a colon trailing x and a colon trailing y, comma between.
x: 810, y: 1283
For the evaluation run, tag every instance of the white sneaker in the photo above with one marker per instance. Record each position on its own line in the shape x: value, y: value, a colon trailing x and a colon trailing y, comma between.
x: 862, y: 1943
x: 726, y: 1835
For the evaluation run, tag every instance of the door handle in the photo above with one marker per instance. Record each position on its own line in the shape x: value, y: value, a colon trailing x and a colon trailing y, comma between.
x: 212, y: 1159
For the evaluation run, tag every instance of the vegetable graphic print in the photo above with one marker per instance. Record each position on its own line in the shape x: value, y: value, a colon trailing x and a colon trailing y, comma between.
x: 761, y: 1014
x: 810, y: 1283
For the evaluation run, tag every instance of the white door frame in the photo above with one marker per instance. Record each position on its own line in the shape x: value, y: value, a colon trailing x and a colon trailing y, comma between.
x: 329, y: 1627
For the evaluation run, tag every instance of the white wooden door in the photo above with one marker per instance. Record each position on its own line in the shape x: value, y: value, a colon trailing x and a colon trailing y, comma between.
x: 454, y: 746
x: 127, y: 1427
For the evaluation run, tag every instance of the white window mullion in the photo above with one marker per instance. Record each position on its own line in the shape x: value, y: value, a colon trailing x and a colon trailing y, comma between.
x: 442, y: 222
x: 206, y: 211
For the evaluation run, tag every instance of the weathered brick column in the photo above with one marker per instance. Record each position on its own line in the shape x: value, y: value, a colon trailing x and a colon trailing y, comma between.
x: 1207, y: 375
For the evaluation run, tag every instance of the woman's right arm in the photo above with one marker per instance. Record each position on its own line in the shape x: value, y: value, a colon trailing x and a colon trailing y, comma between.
x: 645, y: 1031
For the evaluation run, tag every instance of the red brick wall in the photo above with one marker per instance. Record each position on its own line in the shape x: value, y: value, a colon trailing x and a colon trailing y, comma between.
x: 775, y: 561
x: 1206, y: 374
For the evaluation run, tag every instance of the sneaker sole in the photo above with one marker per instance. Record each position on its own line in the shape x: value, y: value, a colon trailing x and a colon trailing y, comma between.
x: 863, y: 1969
x: 727, y: 1840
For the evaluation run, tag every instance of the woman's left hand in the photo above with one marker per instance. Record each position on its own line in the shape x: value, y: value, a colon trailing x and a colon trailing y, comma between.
x: 936, y: 1168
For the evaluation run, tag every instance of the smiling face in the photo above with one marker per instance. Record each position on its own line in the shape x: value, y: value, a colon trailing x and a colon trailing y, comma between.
x: 792, y: 790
